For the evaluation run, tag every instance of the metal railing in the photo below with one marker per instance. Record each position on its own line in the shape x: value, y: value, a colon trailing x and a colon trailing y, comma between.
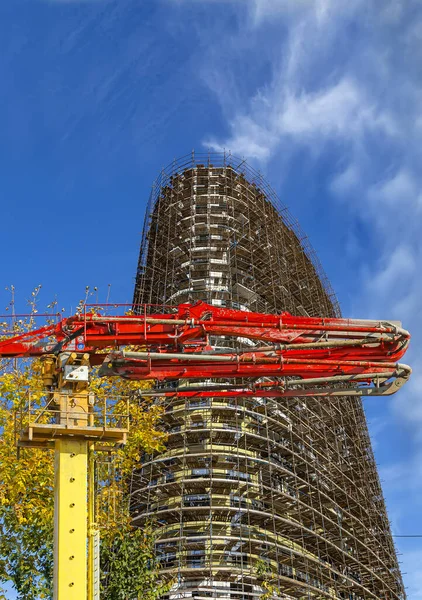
x: 46, y: 418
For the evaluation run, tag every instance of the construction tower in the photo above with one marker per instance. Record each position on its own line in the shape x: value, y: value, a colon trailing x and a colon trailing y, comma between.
x: 254, y: 495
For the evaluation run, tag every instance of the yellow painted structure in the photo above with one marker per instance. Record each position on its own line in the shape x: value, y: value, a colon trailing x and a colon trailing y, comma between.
x: 71, y: 519
x: 93, y: 532
x: 72, y: 422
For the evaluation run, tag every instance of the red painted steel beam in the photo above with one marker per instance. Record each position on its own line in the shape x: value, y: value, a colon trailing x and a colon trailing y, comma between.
x: 177, y: 345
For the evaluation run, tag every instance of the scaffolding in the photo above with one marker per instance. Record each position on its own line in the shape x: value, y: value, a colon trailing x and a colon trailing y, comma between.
x: 254, y: 495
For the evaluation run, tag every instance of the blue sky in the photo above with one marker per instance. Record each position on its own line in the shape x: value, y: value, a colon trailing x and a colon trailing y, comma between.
x: 324, y: 97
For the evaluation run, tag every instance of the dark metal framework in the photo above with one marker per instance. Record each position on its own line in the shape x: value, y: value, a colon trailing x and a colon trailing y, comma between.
x: 254, y: 495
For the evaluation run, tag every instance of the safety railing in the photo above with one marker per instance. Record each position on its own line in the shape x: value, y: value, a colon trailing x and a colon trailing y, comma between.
x: 44, y: 419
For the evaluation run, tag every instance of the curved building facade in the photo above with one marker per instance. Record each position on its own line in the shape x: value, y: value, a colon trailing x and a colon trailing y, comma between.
x: 254, y: 496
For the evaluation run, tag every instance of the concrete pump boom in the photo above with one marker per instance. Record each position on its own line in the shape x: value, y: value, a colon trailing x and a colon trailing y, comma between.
x: 176, y: 345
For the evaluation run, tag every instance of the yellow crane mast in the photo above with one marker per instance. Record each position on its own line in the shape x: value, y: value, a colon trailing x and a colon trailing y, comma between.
x: 75, y: 429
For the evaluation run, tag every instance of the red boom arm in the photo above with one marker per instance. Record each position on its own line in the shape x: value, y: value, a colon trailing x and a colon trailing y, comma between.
x: 182, y: 345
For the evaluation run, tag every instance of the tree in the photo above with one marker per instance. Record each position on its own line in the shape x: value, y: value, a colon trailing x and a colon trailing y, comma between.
x: 26, y: 495
x: 27, y: 499
x: 266, y: 576
x: 129, y: 566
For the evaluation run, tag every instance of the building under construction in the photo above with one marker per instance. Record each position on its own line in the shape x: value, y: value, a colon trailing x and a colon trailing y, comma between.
x: 254, y: 496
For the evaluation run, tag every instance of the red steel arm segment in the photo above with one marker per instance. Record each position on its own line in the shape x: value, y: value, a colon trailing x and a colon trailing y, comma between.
x: 178, y: 346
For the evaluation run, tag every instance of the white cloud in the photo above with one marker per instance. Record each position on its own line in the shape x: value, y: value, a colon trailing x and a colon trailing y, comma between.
x: 301, y: 101
x: 346, y: 182
x: 339, y: 110
x: 398, y: 266
x: 321, y: 10
x: 282, y: 115
x: 400, y: 191
x: 403, y: 476
x: 392, y: 11
x: 263, y: 9
x: 77, y: 1
x: 251, y: 140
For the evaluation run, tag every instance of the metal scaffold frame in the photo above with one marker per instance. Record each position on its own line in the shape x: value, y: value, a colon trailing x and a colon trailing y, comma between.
x: 212, y: 213
x: 254, y: 493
